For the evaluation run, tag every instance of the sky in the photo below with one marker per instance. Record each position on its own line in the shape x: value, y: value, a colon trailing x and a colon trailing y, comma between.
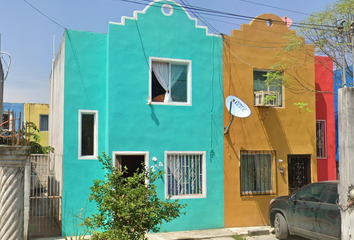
x: 31, y: 31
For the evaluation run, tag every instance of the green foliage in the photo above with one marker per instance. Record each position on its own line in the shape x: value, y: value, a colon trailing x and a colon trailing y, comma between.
x: 325, y: 35
x: 303, y: 106
x: 238, y: 237
x: 30, y: 138
x: 274, y: 79
x: 77, y: 236
x: 36, y: 147
x: 128, y: 207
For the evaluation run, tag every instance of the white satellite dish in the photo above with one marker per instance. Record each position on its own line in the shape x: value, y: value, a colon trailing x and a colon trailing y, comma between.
x: 237, y: 108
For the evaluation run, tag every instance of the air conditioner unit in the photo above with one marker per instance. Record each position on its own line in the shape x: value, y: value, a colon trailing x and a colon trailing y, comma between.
x: 260, y: 96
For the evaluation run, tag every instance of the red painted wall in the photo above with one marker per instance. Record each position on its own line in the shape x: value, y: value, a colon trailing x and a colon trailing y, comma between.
x: 326, y: 167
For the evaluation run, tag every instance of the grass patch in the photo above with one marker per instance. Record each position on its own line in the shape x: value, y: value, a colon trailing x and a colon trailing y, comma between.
x: 238, y: 237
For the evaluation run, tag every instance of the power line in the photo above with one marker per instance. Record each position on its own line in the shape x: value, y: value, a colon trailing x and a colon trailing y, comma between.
x: 265, y: 5
x: 44, y: 15
x: 232, y: 15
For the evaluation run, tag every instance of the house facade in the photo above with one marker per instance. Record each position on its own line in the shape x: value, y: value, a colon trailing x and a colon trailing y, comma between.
x: 12, y: 110
x: 38, y: 113
x: 143, y: 92
x: 325, y: 121
x: 272, y: 151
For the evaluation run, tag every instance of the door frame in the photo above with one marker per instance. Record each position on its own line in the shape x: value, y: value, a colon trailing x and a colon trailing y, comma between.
x: 125, y: 153
x: 308, y: 167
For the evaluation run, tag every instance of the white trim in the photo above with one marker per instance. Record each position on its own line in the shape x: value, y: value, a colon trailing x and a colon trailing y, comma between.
x: 142, y: 153
x: 189, y: 80
x: 95, y: 147
x: 168, y: 7
x: 204, y: 187
x: 145, y: 153
x: 324, y: 125
x: 173, y: 2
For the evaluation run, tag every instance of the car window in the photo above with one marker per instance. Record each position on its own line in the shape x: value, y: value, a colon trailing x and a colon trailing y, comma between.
x: 330, y: 194
x: 312, y: 193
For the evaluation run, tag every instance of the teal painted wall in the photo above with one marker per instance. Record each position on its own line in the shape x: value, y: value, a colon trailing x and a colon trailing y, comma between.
x: 128, y: 123
x: 84, y: 88
x: 137, y: 126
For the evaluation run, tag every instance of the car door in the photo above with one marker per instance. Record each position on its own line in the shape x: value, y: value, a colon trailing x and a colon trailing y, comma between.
x: 305, y: 210
x: 328, y: 215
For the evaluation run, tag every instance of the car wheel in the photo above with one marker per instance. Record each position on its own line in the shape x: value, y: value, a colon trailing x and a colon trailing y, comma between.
x: 280, y: 227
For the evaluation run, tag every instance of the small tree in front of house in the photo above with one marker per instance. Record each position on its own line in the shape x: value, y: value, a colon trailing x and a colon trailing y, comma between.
x: 128, y: 207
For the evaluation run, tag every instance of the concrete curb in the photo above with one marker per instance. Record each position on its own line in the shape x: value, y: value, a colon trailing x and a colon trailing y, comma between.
x: 198, y: 234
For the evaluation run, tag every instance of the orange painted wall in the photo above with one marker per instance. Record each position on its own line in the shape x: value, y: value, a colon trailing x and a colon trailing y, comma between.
x: 287, y: 129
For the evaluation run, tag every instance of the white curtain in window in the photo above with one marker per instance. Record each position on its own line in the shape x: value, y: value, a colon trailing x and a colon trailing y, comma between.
x: 161, y: 72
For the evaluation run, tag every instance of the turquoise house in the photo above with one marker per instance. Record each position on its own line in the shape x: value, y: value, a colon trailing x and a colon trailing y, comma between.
x: 150, y: 90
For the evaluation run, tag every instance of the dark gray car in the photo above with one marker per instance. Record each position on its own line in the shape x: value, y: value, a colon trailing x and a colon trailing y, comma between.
x: 311, y: 212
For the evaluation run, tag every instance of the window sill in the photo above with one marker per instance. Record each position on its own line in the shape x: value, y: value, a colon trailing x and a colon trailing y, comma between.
x: 170, y: 103
x: 88, y: 157
x: 187, y: 196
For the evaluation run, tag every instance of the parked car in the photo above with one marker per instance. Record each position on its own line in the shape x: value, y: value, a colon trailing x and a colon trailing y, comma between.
x: 310, y: 212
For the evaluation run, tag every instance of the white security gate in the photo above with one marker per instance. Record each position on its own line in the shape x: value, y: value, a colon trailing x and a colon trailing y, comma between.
x: 44, y: 196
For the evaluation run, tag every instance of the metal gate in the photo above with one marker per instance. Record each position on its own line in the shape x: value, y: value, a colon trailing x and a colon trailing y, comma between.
x: 299, y: 170
x: 44, y: 197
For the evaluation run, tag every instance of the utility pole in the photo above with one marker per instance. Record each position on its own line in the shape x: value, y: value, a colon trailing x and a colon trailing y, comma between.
x: 346, y: 152
x: 344, y: 68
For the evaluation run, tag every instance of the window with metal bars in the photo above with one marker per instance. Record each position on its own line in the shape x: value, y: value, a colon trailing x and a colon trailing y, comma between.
x: 185, y: 175
x: 320, y: 138
x: 257, y: 172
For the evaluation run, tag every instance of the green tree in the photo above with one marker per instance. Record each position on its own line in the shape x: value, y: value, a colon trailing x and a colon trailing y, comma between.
x: 128, y: 207
x: 320, y: 29
x: 28, y: 136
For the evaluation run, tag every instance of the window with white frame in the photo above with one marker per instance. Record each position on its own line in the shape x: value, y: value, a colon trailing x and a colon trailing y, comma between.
x: 43, y: 122
x: 88, y: 134
x: 170, y: 81
x: 321, y: 138
x: 185, y: 174
x: 268, y: 89
x: 6, y: 117
x: 257, y: 169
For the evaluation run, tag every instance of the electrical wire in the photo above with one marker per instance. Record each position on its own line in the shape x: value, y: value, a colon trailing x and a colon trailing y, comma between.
x: 45, y: 15
x: 8, y: 66
x: 230, y: 15
x: 265, y: 5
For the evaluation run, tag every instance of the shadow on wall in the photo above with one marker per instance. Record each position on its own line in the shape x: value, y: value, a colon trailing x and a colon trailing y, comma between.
x: 277, y: 138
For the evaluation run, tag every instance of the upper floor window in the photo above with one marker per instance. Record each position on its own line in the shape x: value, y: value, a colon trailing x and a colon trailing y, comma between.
x: 185, y: 174
x: 43, y: 122
x: 257, y: 172
x: 170, y: 81
x: 268, y: 89
x: 88, y: 134
x: 321, y: 138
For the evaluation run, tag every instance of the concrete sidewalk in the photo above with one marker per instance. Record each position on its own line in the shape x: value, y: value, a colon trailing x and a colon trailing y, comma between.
x: 215, y: 234
x: 222, y: 233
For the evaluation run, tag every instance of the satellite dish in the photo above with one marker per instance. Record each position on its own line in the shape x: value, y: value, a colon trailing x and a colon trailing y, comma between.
x: 237, y: 107
x: 287, y: 21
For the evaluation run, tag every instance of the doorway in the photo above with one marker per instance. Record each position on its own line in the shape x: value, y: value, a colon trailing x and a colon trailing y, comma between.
x: 299, y: 171
x: 132, y: 160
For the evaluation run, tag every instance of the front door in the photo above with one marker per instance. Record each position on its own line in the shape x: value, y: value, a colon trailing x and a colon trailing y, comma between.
x: 299, y: 171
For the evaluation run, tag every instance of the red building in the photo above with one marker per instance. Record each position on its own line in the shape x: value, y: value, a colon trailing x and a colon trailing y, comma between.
x: 325, y: 125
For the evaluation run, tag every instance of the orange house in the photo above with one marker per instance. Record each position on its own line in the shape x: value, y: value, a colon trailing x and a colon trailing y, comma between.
x: 273, y: 151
